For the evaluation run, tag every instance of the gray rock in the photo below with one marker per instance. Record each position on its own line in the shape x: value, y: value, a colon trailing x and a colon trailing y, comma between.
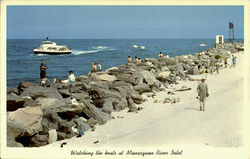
x: 128, y: 78
x: 142, y: 87
x: 149, y: 77
x: 64, y: 92
x: 23, y: 85
x: 81, y: 124
x: 12, y: 90
x: 37, y: 91
x: 131, y: 105
x: 26, y: 121
x: 38, y: 140
x: 80, y: 96
x: 91, y: 111
x: 193, y: 71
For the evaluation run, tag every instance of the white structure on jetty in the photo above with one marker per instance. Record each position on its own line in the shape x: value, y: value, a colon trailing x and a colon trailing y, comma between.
x: 219, y: 39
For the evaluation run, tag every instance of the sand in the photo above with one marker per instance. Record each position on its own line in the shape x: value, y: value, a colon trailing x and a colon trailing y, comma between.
x: 158, y: 124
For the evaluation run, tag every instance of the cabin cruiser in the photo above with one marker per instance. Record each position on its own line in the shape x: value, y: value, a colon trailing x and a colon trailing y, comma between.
x: 51, y: 48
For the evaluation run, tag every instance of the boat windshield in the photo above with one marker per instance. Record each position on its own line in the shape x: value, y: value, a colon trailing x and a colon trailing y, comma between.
x: 48, y: 42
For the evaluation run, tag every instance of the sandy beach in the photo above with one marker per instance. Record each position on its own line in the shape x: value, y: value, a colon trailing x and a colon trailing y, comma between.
x: 158, y: 124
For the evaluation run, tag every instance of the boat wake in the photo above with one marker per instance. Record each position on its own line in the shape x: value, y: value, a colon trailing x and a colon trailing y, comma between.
x: 96, y: 49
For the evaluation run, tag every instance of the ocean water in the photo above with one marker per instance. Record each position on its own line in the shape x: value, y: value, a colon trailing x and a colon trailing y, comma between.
x: 24, y: 65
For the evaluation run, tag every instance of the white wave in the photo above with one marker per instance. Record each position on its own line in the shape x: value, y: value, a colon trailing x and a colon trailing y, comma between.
x: 79, y: 52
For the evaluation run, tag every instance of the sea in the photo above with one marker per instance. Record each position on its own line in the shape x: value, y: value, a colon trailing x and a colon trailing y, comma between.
x: 24, y: 65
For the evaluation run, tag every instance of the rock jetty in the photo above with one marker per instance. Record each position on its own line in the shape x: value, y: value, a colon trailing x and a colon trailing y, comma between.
x: 37, y: 116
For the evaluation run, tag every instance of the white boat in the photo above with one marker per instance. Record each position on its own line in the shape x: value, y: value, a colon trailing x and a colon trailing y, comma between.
x: 203, y: 44
x: 99, y: 47
x: 135, y: 46
x: 142, y: 47
x: 51, y: 48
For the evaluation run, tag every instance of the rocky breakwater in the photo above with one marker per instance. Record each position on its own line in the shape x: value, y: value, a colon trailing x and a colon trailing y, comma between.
x: 34, y: 112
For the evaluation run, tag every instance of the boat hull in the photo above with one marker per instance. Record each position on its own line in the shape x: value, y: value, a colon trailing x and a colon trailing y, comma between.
x: 53, y: 53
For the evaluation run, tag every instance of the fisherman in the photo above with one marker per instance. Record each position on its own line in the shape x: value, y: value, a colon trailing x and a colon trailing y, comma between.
x: 94, y: 69
x: 99, y: 66
x: 43, y: 68
x: 129, y: 59
x: 202, y: 91
x: 71, y: 77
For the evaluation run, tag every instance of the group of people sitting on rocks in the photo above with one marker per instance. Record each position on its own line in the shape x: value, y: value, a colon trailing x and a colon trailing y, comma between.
x: 94, y: 68
x: 136, y: 60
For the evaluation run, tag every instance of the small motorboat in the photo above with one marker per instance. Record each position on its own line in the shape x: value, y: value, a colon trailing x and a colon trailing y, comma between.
x: 142, y: 47
x: 202, y: 44
x: 51, y: 48
x: 135, y: 46
x: 99, y: 47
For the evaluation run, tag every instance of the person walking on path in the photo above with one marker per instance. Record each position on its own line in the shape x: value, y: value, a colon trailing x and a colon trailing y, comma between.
x: 43, y: 68
x: 217, y: 67
x: 234, y: 61
x: 202, y: 91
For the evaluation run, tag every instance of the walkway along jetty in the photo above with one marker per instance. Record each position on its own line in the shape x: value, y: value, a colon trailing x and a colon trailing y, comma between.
x: 37, y: 116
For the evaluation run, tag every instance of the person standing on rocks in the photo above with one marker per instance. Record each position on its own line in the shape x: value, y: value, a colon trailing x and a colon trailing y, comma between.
x: 43, y: 68
x: 202, y: 91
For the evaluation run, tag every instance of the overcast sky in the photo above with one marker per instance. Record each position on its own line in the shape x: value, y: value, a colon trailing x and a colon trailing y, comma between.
x: 87, y: 22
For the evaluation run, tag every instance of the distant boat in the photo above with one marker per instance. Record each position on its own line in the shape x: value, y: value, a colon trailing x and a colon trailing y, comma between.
x: 135, y: 46
x: 51, y: 48
x: 142, y: 47
x: 202, y: 44
x: 99, y: 47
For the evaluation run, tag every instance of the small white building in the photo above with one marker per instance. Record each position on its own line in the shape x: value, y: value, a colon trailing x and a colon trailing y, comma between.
x: 219, y: 39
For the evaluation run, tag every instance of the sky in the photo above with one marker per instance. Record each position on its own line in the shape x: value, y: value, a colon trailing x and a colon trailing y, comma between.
x: 123, y: 22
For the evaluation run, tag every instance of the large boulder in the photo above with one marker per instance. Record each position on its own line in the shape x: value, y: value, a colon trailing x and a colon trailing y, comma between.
x: 193, y: 71
x: 12, y: 90
x: 38, y: 91
x: 26, y: 121
x: 129, y: 78
x: 14, y: 102
x: 91, y: 111
x: 142, y: 87
x: 104, y: 77
x: 23, y: 85
x: 149, y: 78
x: 82, y: 124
